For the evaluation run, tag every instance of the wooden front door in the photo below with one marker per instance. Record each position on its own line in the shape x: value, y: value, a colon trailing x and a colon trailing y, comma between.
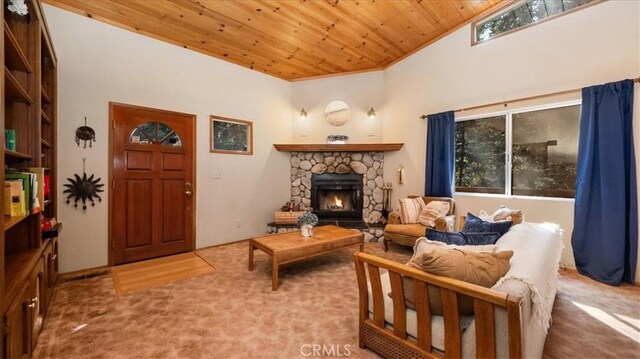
x: 152, y: 199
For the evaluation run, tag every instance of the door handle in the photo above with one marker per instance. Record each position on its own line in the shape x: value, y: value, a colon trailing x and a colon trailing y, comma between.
x: 188, y: 191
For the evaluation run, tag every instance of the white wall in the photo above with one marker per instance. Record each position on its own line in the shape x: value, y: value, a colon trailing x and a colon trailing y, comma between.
x: 359, y: 91
x: 99, y: 63
x: 592, y: 46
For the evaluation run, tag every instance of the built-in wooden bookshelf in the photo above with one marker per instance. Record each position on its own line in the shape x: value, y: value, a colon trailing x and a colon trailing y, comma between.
x: 28, y: 258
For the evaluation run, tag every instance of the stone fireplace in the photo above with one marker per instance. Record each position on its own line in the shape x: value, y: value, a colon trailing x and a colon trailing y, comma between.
x: 344, y: 168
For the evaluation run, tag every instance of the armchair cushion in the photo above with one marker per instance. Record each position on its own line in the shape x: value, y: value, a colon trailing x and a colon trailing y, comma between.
x: 412, y: 230
x: 432, y: 211
x: 410, y: 209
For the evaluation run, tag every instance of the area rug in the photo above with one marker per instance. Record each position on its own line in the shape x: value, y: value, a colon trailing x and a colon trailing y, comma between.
x: 233, y: 313
x: 155, y: 272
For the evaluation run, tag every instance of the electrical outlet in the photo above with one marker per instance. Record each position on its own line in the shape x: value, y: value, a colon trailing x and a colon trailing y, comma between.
x: 238, y: 224
x: 303, y: 135
x: 216, y: 174
x: 372, y: 135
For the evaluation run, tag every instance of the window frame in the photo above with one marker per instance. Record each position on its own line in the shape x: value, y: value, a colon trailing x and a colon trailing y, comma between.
x: 509, y: 147
x: 508, y: 6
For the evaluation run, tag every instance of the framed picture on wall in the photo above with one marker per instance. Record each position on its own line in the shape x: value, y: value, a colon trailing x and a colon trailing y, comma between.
x: 232, y: 136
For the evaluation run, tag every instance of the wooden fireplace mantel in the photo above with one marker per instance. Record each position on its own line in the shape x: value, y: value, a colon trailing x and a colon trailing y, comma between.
x: 350, y: 147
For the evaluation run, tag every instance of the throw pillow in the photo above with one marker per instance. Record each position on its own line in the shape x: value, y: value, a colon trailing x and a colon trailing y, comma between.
x: 410, y: 209
x: 480, y: 268
x: 432, y: 211
x: 503, y: 214
x: 506, y: 214
x: 475, y: 224
x: 463, y: 238
x: 423, y: 244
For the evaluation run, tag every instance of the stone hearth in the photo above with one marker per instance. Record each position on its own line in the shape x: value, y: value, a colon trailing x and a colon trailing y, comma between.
x: 369, y: 164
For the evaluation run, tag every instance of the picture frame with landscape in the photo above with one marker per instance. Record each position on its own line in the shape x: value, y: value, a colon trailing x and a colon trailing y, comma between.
x: 231, y: 136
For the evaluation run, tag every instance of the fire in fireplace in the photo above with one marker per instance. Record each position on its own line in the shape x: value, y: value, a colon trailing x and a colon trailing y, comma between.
x: 337, y: 196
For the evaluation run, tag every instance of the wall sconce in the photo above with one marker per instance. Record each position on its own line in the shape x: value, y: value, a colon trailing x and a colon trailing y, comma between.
x: 303, y: 114
x: 371, y: 114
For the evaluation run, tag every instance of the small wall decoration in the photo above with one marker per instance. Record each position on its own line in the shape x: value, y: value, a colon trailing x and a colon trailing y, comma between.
x: 18, y: 7
x: 86, y: 134
x: 83, y: 188
x: 337, y: 139
x: 231, y: 136
x: 337, y: 113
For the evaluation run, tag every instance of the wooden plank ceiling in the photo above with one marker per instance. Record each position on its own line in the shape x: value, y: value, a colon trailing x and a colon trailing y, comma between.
x: 290, y: 39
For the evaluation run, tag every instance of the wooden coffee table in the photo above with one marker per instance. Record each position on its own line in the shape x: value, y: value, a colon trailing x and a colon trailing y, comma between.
x: 292, y: 246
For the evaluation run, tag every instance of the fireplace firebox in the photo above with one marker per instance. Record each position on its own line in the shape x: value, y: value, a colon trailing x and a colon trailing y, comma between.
x: 337, y: 196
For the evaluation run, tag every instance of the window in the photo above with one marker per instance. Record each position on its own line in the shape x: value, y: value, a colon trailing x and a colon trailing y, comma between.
x: 155, y: 133
x: 522, y: 14
x: 525, y: 153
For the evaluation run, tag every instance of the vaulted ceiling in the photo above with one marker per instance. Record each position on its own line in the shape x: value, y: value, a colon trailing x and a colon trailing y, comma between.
x: 290, y: 39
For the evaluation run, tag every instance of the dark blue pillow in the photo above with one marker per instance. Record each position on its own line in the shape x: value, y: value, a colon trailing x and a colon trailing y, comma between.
x: 475, y: 224
x: 446, y: 237
x: 462, y: 238
x: 480, y: 238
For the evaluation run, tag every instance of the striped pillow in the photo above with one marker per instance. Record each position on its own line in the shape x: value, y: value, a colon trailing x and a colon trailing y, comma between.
x: 410, y: 209
x: 432, y: 211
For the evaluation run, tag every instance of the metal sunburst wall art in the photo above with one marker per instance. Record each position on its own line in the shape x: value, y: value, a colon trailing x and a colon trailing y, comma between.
x: 83, y: 188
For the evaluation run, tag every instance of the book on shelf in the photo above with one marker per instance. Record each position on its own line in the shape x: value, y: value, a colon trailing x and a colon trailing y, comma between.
x: 14, y: 204
x: 32, y: 188
x: 47, y: 186
x: 10, y: 139
x: 39, y: 186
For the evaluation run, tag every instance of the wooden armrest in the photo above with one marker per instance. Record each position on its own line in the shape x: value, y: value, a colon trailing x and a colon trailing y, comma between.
x: 446, y: 223
x: 373, y: 328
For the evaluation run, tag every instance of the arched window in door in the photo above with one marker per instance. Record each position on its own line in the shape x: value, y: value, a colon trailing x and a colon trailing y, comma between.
x: 155, y: 133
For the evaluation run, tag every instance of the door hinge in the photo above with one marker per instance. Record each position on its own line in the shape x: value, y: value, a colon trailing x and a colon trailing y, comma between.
x: 113, y: 184
x: 113, y: 123
x: 113, y: 244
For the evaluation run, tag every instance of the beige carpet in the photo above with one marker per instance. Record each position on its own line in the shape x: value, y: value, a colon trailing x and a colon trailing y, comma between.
x: 232, y: 313
x: 154, y: 272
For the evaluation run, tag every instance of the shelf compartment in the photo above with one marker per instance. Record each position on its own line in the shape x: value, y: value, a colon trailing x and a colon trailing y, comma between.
x: 45, y: 118
x: 12, y: 221
x: 45, y: 143
x: 45, y: 96
x: 13, y: 89
x: 17, y: 268
x: 54, y: 232
x: 14, y: 56
x: 17, y: 155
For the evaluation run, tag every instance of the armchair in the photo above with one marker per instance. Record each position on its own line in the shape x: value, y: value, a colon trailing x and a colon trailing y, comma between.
x: 406, y: 234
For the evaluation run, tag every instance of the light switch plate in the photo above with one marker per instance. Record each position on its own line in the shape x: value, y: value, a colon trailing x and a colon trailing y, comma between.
x: 216, y: 174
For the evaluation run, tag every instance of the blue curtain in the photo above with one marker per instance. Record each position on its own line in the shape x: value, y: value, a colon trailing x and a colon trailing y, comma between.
x: 440, y: 154
x: 605, y: 227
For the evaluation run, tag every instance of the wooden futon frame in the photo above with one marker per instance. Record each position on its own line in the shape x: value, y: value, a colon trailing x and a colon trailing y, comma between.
x: 396, y: 344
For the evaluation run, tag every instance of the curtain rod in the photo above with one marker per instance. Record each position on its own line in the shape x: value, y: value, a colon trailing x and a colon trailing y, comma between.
x: 636, y: 80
